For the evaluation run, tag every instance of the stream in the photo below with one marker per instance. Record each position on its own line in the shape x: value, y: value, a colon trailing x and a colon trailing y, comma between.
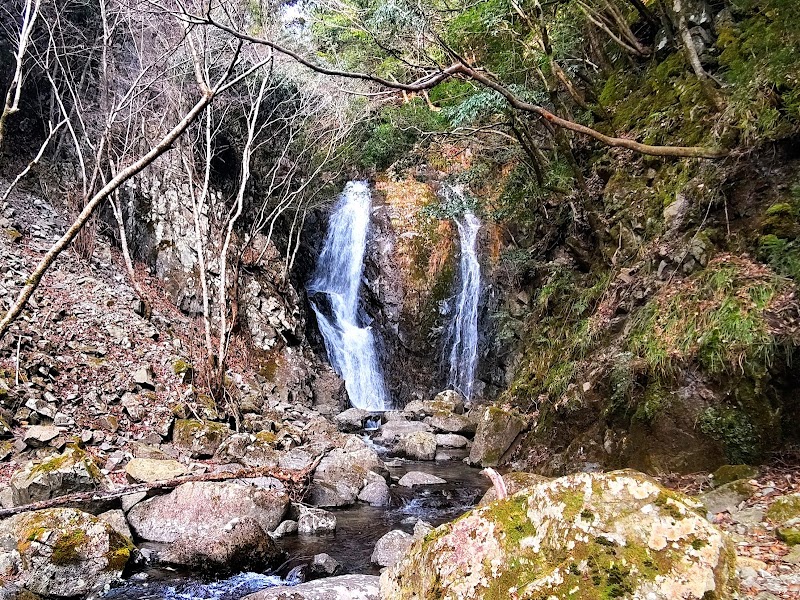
x: 359, y: 527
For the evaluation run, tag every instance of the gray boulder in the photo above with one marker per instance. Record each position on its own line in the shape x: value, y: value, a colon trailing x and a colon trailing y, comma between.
x: 343, y: 587
x: 37, y: 436
x: 324, y: 565
x: 285, y: 528
x: 200, y: 509
x: 314, y: 520
x: 451, y: 440
x: 342, y: 474
x: 61, y: 552
x: 414, y: 478
x: 240, y: 545
x: 351, y: 420
x: 249, y: 450
x: 375, y: 493
x: 392, y: 430
x: 420, y: 445
x: 452, y: 423
x: 391, y: 548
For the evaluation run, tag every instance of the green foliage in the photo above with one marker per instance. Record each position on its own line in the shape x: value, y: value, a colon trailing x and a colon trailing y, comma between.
x: 732, y: 427
x: 717, y: 319
x: 759, y: 59
x: 782, y: 255
x: 394, y: 133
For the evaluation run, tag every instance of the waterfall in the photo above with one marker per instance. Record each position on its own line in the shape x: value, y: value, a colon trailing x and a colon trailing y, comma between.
x: 333, y: 293
x: 463, y: 334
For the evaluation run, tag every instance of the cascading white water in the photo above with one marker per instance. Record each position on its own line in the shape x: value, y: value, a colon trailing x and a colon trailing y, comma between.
x: 333, y: 293
x: 463, y: 333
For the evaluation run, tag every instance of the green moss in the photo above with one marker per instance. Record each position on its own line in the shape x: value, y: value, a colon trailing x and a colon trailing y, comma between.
x: 181, y: 366
x: 734, y: 429
x: 65, y: 548
x: 784, y: 509
x: 119, y: 553
x: 731, y: 473
x: 789, y: 535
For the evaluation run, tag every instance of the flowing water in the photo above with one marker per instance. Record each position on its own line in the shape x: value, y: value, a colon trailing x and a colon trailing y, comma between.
x: 333, y: 293
x: 463, y: 334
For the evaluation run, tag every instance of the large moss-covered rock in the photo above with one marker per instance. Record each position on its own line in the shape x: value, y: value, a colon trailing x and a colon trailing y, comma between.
x: 497, y: 430
x: 200, y: 438
x: 785, y: 514
x: 584, y: 536
x: 61, y: 552
x: 67, y: 473
x: 200, y: 509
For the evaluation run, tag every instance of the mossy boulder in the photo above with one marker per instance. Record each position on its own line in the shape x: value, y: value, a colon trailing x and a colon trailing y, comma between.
x: 584, y: 536
x: 730, y: 473
x: 61, y: 552
x: 497, y: 429
x: 72, y: 471
x: 200, y: 438
x: 784, y: 513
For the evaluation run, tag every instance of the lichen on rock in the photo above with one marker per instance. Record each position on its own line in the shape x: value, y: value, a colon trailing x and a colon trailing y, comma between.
x: 585, y: 536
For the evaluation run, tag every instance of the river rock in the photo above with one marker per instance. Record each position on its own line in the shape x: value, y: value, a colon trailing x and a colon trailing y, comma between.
x: 497, y: 430
x: 343, y: 587
x: 452, y: 423
x: 451, y: 440
x: 314, y: 520
x: 324, y: 565
x: 287, y: 527
x: 392, y: 430
x: 342, y: 474
x: 67, y: 473
x: 587, y: 535
x: 200, y: 438
x: 413, y: 478
x: 61, y: 552
x: 391, y: 547
x: 201, y: 508
x: 515, y: 481
x: 148, y: 470
x: 448, y: 401
x: 240, y: 545
x: 726, y: 498
x: 420, y: 445
x: 351, y: 420
x: 375, y: 493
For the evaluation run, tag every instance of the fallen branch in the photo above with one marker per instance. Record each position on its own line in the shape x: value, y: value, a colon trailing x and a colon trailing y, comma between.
x: 296, y: 480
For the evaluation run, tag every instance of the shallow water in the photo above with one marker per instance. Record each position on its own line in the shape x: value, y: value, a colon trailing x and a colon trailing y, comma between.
x: 358, y: 528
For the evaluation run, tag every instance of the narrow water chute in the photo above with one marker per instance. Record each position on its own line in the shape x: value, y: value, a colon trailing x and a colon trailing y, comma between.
x: 463, y: 333
x: 333, y: 293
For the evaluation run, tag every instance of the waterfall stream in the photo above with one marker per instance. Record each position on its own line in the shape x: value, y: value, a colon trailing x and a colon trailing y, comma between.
x: 463, y: 334
x: 333, y: 293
